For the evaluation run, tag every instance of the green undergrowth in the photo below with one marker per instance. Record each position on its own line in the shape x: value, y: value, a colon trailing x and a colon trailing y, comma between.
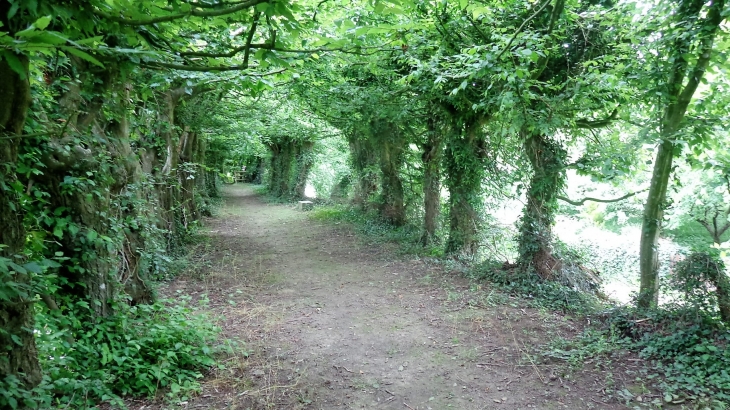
x: 157, y: 350
x: 534, y: 290
x: 685, y: 354
x: 376, y: 230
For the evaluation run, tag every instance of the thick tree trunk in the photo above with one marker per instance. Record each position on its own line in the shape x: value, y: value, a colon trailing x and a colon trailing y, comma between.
x: 81, y: 182
x: 18, y: 354
x: 274, y: 169
x: 129, y: 190
x: 431, y: 158
x: 464, y: 165
x: 166, y: 167
x: 364, y: 161
x: 304, y: 167
x: 187, y: 170
x: 535, y: 239
x: 288, y: 155
x: 285, y: 157
x: 392, y: 206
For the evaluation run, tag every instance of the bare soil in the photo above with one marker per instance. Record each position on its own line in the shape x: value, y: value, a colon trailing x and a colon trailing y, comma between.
x: 321, y: 319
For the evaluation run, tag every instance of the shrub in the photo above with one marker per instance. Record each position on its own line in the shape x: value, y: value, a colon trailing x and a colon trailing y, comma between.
x: 701, y: 283
x: 139, y: 351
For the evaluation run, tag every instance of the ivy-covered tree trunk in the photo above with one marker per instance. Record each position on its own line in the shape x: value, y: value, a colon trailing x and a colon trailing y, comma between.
x: 187, y: 171
x: 81, y: 179
x: 129, y: 191
x: 260, y: 171
x: 464, y: 165
x: 18, y: 354
x: 681, y: 86
x: 547, y: 159
x: 288, y: 160
x: 364, y: 161
x: 392, y: 201
x: 283, y: 159
x: 305, y: 160
x: 431, y: 158
x: 274, y: 169
x: 165, y: 144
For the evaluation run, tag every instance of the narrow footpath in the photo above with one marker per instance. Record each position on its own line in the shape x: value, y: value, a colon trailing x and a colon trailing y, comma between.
x: 320, y: 319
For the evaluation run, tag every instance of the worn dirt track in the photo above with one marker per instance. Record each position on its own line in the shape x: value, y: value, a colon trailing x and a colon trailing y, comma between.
x: 327, y: 321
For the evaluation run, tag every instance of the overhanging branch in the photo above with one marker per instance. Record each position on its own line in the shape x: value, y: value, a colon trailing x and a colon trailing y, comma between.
x: 177, y: 16
x: 605, y: 201
x: 208, y: 69
x: 593, y: 124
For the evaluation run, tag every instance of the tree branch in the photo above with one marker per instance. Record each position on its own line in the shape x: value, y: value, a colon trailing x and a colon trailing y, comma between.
x: 587, y: 199
x: 172, y: 17
x: 204, y: 5
x: 268, y: 46
x: 714, y: 19
x: 206, y: 69
x: 519, y: 29
x: 249, y: 38
x: 593, y: 124
x: 554, y: 15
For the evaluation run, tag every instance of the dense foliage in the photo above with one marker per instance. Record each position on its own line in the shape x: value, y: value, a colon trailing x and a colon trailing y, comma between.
x: 119, y: 119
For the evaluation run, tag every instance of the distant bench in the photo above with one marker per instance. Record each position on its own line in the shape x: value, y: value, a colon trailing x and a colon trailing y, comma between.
x: 306, y: 205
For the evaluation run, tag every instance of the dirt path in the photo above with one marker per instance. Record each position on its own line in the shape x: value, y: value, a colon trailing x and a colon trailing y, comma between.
x: 331, y: 322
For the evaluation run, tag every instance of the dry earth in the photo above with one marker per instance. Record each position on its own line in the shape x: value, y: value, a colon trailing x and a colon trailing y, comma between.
x: 325, y: 320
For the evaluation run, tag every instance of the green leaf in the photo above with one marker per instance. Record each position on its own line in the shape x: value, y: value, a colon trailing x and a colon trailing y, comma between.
x: 48, y: 37
x: 14, y: 63
x: 42, y: 22
x: 33, y: 267
x: 13, y: 10
x: 105, y: 354
x: 82, y: 55
x: 91, y: 40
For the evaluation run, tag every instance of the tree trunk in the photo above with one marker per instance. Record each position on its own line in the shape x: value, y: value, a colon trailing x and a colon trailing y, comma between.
x: 431, y: 158
x: 304, y: 167
x: 81, y: 180
x: 464, y: 163
x: 688, y: 14
x: 364, y: 161
x: 128, y: 190
x: 187, y: 170
x: 18, y: 357
x: 392, y: 206
x: 651, y: 226
x: 288, y: 155
x: 274, y: 169
x: 535, y: 238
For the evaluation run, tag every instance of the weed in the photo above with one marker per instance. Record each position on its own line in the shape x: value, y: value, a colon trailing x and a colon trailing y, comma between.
x: 140, y: 350
x: 538, y: 292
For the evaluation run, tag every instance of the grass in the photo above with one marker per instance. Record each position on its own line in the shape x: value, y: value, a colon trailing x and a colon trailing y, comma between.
x: 376, y: 230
